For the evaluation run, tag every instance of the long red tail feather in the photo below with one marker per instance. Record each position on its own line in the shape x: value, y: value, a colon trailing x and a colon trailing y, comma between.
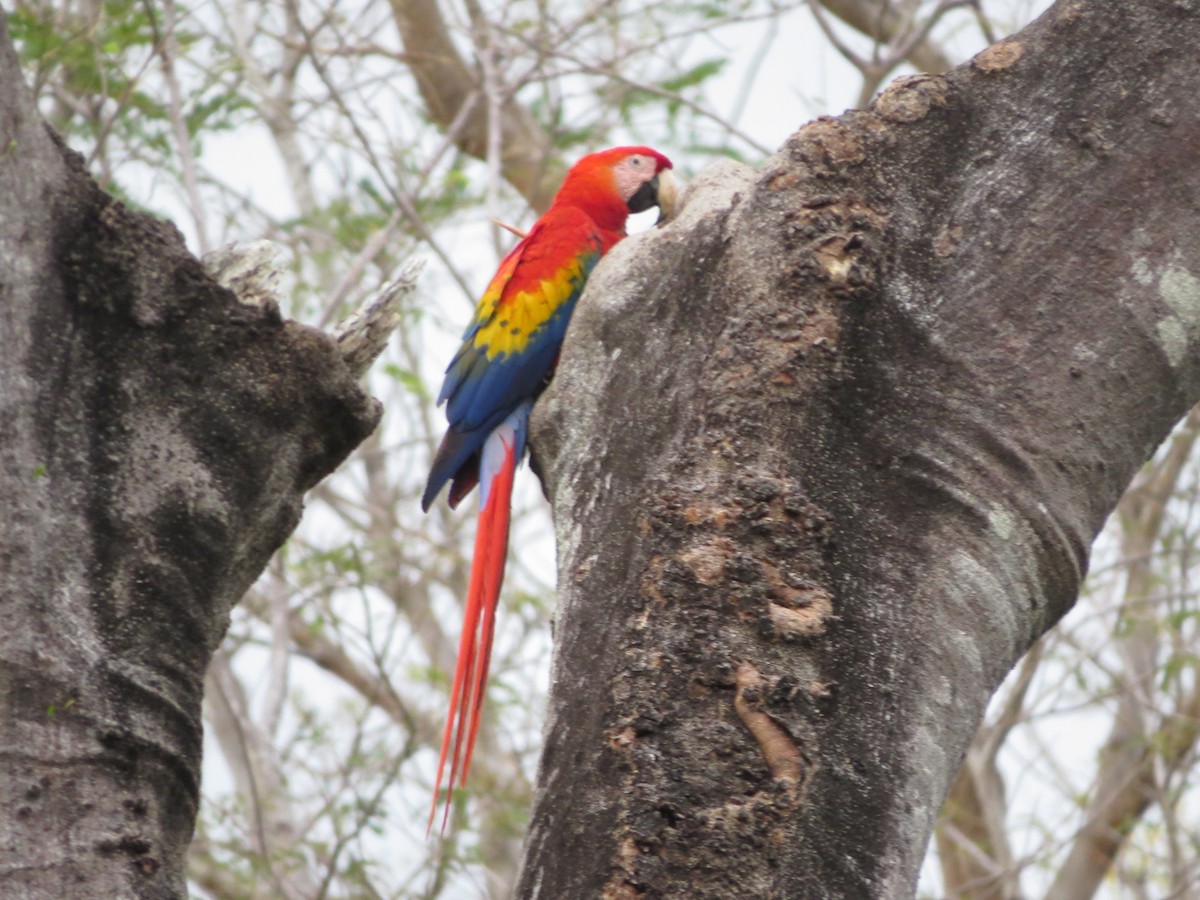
x: 475, y: 644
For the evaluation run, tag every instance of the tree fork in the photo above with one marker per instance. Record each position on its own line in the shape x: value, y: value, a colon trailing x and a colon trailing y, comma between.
x: 895, y: 381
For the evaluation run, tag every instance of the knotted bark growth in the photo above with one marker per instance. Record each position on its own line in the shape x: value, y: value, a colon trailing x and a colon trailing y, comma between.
x: 830, y: 450
x: 156, y: 439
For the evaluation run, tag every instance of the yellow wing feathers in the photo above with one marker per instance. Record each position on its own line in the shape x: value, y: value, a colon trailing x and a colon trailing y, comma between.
x: 509, y: 317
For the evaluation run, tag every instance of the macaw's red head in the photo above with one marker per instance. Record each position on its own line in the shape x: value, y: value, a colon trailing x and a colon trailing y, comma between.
x: 613, y: 183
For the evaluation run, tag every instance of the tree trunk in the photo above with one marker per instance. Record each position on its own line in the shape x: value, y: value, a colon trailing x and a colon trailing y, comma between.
x: 826, y: 456
x: 156, y: 439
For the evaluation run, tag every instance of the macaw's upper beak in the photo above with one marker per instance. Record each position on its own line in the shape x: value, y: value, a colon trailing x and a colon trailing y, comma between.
x: 658, y: 191
x: 668, y: 194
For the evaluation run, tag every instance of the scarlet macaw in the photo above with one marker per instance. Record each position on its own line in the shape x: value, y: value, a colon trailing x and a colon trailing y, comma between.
x: 508, y: 351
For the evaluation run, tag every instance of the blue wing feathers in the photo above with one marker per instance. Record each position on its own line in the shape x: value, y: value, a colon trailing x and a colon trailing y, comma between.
x: 480, y: 393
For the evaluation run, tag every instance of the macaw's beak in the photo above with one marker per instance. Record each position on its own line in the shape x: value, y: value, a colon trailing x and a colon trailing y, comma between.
x: 653, y: 192
x: 668, y: 194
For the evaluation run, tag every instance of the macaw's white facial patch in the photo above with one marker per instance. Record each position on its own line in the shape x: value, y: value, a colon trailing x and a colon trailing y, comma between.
x: 632, y: 172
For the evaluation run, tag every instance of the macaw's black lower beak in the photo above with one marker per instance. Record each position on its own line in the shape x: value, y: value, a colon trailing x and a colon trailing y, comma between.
x: 644, y: 197
x: 658, y: 191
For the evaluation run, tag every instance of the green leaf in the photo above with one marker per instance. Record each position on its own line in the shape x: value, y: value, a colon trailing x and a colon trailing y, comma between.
x: 408, y: 380
x: 696, y: 75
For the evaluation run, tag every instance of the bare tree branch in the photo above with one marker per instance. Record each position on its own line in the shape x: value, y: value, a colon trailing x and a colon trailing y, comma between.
x: 528, y: 159
x: 878, y: 19
x: 1125, y: 784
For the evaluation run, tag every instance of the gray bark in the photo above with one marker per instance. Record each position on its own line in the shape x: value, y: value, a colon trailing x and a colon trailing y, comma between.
x: 827, y: 454
x: 156, y: 438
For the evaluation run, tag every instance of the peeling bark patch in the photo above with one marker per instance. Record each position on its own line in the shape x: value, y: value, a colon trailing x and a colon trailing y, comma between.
x: 778, y: 749
x: 584, y: 569
x: 781, y: 180
x: 835, y: 260
x: 998, y: 57
x: 796, y: 608
x: 821, y: 330
x: 828, y: 142
x: 910, y: 98
x: 806, y: 619
x: 650, y: 584
x: 837, y: 233
x: 707, y: 561
x: 1070, y: 12
x: 623, y: 738
x: 698, y: 515
x: 619, y: 887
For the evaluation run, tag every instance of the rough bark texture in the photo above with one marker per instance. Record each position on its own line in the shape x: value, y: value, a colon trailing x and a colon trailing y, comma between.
x: 827, y: 454
x: 156, y: 438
